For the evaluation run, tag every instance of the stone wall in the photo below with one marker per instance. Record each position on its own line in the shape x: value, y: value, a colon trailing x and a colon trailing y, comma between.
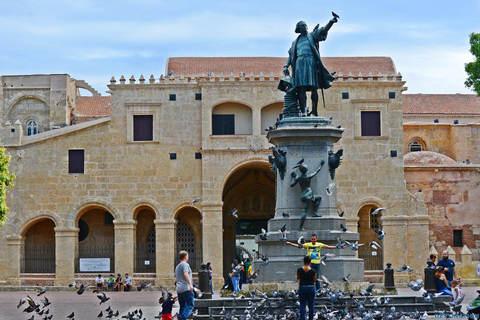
x: 122, y: 175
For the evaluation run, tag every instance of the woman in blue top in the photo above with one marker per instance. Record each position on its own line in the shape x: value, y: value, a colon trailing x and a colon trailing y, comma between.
x: 306, y: 290
x: 441, y: 282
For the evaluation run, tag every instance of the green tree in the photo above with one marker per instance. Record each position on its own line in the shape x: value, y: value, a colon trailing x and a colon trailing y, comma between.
x: 473, y: 68
x: 6, y: 180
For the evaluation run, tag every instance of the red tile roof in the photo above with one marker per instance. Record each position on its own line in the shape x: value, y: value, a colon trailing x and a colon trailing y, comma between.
x: 94, y: 106
x: 196, y: 66
x: 441, y: 104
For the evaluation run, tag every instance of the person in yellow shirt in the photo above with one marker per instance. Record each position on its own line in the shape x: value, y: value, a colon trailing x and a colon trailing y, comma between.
x: 313, y: 251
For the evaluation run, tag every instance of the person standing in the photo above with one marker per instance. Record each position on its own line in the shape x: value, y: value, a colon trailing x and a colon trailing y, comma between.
x: 167, y: 307
x: 183, y: 274
x: 210, y: 273
x: 236, y: 269
x: 306, y: 289
x: 449, y: 267
x: 248, y: 271
x: 313, y: 250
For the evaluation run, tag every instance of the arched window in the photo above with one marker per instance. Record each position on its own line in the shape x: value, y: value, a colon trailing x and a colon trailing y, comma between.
x: 32, y: 128
x: 415, y: 146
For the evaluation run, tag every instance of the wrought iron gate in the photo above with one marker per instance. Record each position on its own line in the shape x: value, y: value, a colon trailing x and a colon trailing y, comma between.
x: 186, y: 241
x: 38, y: 260
x: 145, y: 255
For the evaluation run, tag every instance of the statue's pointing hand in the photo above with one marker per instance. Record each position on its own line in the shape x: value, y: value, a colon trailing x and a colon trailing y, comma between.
x: 286, y: 72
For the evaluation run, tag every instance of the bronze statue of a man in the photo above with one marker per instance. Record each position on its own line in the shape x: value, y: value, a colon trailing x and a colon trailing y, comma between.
x: 307, y: 195
x: 308, y: 71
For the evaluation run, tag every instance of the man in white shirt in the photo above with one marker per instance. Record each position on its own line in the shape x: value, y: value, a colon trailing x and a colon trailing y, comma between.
x: 99, y: 282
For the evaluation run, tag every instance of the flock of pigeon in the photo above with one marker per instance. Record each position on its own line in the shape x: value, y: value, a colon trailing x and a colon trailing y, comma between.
x: 44, y: 312
x: 284, y: 305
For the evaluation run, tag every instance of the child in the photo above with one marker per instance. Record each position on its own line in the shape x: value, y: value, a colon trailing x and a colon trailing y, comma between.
x: 458, y: 293
x: 167, y: 306
x: 118, y: 286
x: 110, y: 282
x: 99, y: 282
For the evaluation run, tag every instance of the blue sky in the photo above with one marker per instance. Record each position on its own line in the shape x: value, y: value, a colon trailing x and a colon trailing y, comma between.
x: 95, y: 40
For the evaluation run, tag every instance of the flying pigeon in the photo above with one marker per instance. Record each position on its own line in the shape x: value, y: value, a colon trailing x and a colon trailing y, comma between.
x: 380, y: 209
x: 330, y: 189
x: 354, y: 246
x: 234, y: 213
x: 324, y: 258
x: 374, y: 245
x: 341, y: 214
x: 345, y: 278
x: 195, y: 200
x: 415, y: 285
x: 285, y: 215
x: 381, y: 233
x: 301, y: 241
x: 344, y: 229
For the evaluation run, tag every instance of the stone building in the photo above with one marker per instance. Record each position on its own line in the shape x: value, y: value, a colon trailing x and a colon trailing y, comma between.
x: 120, y: 188
x: 442, y: 158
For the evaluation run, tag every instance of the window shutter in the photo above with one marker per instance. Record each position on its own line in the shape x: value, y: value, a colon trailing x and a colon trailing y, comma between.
x: 76, y: 161
x: 370, y: 123
x: 223, y: 124
x: 143, y: 128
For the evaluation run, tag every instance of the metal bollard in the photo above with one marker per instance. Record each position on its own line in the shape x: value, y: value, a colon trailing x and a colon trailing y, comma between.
x: 429, y: 283
x: 389, y: 282
x: 203, y: 282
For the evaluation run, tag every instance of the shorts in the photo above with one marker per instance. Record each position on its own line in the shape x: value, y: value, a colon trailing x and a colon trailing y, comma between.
x: 167, y: 316
x: 110, y: 284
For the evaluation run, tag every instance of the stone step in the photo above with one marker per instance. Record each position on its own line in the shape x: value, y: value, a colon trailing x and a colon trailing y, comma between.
x: 373, y: 276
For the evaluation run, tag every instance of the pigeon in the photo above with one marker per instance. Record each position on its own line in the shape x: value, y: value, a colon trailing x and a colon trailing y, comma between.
x: 345, y: 278
x: 41, y: 291
x: 31, y: 318
x: 81, y: 289
x: 101, y: 295
x: 265, y: 260
x: 255, y: 274
x: 325, y: 281
x: 195, y: 200
x: 341, y: 214
x: 108, y: 309
x: 283, y: 231
x: 285, y: 215
x: 374, y: 245
x: 339, y: 126
x: 71, y: 315
x: 234, y: 213
x: 301, y: 241
x: 405, y: 267
x: 143, y: 285
x: 377, y: 211
x: 344, y: 229
x: 324, y: 257
x: 330, y: 189
x: 263, y: 236
x: 46, y: 302
x: 354, y: 246
x: 73, y: 284
x: 416, y: 285
x: 341, y: 243
x: 100, y: 315
x: 381, y: 233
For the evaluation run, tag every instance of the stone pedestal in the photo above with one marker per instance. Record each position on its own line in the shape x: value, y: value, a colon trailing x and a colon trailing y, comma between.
x: 310, y: 139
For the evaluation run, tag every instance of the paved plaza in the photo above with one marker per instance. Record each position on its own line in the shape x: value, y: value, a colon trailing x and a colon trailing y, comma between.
x: 86, y: 306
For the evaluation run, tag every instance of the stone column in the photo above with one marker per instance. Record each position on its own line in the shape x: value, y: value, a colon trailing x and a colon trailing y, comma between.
x: 395, y: 244
x: 124, y: 242
x: 165, y: 252
x: 212, y: 224
x: 65, y: 255
x: 256, y: 122
x: 15, y: 244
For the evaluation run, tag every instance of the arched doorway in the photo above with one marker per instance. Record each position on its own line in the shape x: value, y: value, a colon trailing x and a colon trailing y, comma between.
x: 145, y: 244
x: 96, y: 242
x: 39, y: 249
x: 188, y: 235
x: 373, y: 259
x: 251, y: 191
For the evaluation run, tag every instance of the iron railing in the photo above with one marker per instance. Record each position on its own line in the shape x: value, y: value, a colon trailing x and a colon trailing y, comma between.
x: 372, y: 260
x: 95, y: 252
x: 38, y: 259
x: 145, y: 260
